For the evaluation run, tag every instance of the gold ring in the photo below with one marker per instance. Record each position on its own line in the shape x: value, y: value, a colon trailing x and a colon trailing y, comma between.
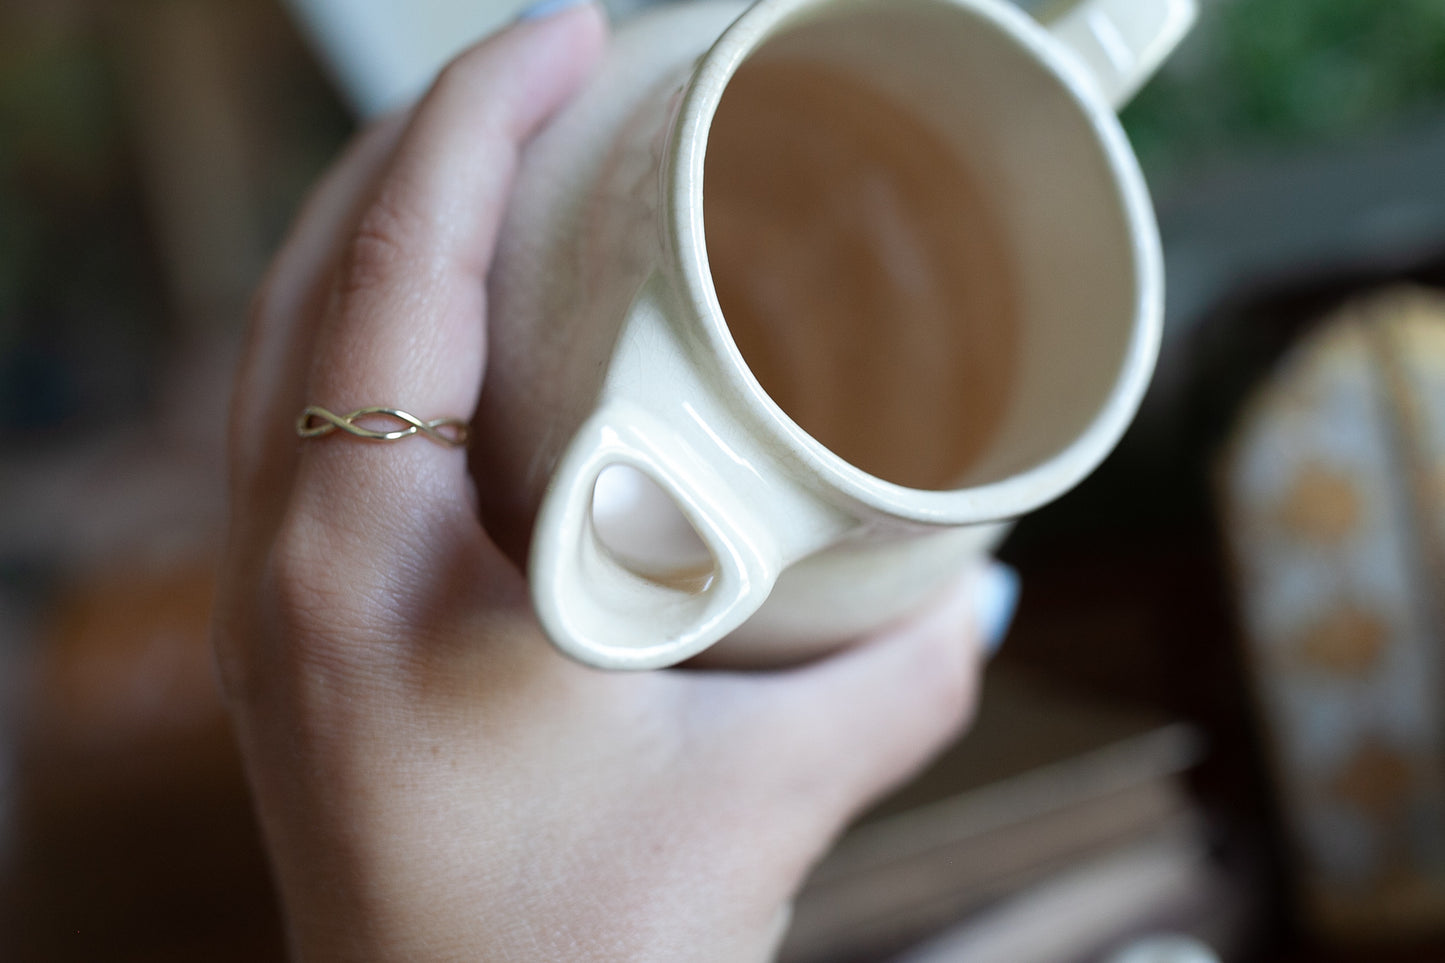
x: 316, y: 421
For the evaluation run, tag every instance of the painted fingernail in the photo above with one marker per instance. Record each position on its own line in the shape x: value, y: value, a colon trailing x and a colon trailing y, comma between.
x: 546, y: 8
x: 996, y: 597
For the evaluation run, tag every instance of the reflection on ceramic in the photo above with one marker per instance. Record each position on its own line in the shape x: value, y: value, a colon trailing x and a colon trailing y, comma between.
x: 797, y: 306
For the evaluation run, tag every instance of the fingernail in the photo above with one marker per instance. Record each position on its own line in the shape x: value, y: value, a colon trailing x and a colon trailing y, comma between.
x: 546, y: 8
x: 996, y: 597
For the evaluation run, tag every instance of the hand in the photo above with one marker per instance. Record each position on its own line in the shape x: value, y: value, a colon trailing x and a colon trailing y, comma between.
x: 434, y: 781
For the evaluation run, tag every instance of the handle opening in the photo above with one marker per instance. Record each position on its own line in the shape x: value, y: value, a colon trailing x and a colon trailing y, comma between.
x: 603, y: 601
x: 644, y: 530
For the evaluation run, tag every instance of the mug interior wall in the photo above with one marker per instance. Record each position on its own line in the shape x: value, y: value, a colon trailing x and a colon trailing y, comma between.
x: 1046, y: 179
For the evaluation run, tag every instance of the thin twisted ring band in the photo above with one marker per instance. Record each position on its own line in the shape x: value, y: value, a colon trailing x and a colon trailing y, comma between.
x: 316, y: 421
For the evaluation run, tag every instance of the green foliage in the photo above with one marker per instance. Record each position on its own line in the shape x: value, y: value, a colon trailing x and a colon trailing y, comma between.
x: 1272, y: 74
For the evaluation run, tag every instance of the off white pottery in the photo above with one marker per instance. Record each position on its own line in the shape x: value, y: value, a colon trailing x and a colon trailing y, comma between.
x: 608, y: 347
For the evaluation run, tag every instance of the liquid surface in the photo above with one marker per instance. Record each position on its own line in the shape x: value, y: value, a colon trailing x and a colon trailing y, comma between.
x: 859, y: 272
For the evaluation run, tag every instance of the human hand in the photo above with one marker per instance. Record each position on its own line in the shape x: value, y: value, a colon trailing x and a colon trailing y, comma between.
x: 433, y: 780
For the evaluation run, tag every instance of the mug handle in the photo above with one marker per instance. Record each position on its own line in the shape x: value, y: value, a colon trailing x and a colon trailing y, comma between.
x: 1121, y: 43
x: 654, y: 416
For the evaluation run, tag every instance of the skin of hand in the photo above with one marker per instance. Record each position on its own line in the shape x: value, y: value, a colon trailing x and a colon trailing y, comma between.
x: 435, y: 782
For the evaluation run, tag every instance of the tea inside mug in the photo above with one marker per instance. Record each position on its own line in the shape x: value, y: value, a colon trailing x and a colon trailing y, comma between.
x: 859, y: 270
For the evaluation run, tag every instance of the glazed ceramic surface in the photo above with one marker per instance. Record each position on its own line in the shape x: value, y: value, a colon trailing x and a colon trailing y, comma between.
x: 662, y: 499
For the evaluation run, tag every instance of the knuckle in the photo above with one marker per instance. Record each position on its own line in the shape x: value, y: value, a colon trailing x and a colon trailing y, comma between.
x: 333, y: 579
x: 472, y: 78
x: 306, y: 584
x: 306, y: 614
x: 382, y: 247
x: 463, y: 72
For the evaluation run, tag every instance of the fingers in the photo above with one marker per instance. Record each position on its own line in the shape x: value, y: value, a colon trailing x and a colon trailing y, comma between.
x: 270, y: 384
x: 377, y: 299
x: 406, y: 326
x: 840, y: 733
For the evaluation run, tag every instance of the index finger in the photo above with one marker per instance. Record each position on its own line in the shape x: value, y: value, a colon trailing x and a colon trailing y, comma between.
x: 406, y: 325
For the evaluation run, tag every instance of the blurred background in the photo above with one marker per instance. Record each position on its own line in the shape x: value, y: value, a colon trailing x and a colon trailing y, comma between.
x: 1220, y: 712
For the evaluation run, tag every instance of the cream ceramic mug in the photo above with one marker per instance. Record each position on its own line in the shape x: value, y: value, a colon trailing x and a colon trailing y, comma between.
x: 663, y: 498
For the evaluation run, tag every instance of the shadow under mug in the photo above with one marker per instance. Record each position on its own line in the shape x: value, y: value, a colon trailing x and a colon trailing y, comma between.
x: 663, y: 496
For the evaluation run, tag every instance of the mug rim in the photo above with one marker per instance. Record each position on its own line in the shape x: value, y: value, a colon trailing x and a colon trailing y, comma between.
x: 686, y: 240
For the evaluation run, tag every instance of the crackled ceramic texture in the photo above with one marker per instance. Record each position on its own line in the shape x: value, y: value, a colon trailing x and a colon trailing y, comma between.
x: 611, y: 357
